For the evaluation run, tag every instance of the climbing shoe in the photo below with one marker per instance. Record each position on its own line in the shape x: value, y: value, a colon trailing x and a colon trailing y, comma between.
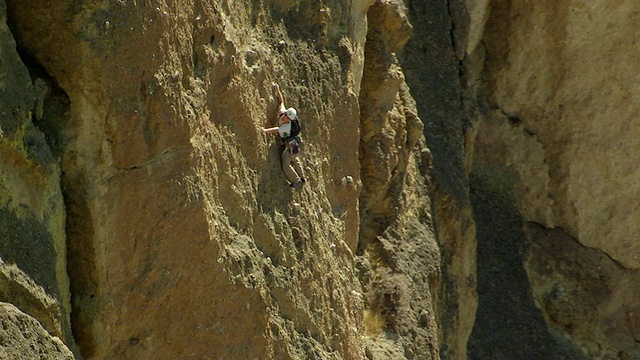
x: 298, y: 183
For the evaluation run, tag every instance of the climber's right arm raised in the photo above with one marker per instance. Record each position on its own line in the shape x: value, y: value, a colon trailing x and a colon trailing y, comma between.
x: 281, y: 107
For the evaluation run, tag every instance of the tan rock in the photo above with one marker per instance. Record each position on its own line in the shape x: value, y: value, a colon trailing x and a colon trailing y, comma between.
x: 577, y: 101
x: 561, y: 82
x: 18, y: 288
x: 22, y: 337
x: 175, y: 199
x: 183, y: 238
x: 435, y: 66
x: 399, y: 266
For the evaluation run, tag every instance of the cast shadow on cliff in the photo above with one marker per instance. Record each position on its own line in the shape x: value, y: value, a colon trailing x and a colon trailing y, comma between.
x: 508, y: 325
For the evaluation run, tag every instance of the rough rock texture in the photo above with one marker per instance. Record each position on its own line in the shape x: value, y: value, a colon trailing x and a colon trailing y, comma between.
x: 19, y: 288
x: 584, y: 294
x: 141, y: 203
x: 508, y: 323
x: 439, y: 34
x: 557, y: 90
x: 399, y: 262
x: 32, y: 213
x: 23, y: 338
x: 183, y: 238
x: 576, y: 102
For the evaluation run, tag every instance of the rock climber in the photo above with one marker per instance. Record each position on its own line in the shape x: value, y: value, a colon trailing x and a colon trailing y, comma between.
x: 288, y: 129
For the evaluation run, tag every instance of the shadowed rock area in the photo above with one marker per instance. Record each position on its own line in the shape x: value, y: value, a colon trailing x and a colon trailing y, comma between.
x: 470, y: 195
x: 508, y: 324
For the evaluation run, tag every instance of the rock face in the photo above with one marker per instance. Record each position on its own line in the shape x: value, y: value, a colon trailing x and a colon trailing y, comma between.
x: 144, y: 214
x: 32, y: 213
x: 182, y: 237
x: 398, y: 253
x: 558, y: 121
x: 439, y: 34
x: 566, y: 112
x: 23, y: 337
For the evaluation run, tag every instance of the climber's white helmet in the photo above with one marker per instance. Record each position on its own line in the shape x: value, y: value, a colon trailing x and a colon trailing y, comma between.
x: 292, y: 113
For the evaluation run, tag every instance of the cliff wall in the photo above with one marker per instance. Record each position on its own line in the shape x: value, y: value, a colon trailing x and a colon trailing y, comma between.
x: 176, y: 231
x: 33, y: 272
x: 470, y: 194
x: 556, y: 140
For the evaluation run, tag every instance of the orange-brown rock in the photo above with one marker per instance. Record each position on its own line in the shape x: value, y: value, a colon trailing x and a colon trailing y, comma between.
x: 471, y: 186
x: 184, y: 239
